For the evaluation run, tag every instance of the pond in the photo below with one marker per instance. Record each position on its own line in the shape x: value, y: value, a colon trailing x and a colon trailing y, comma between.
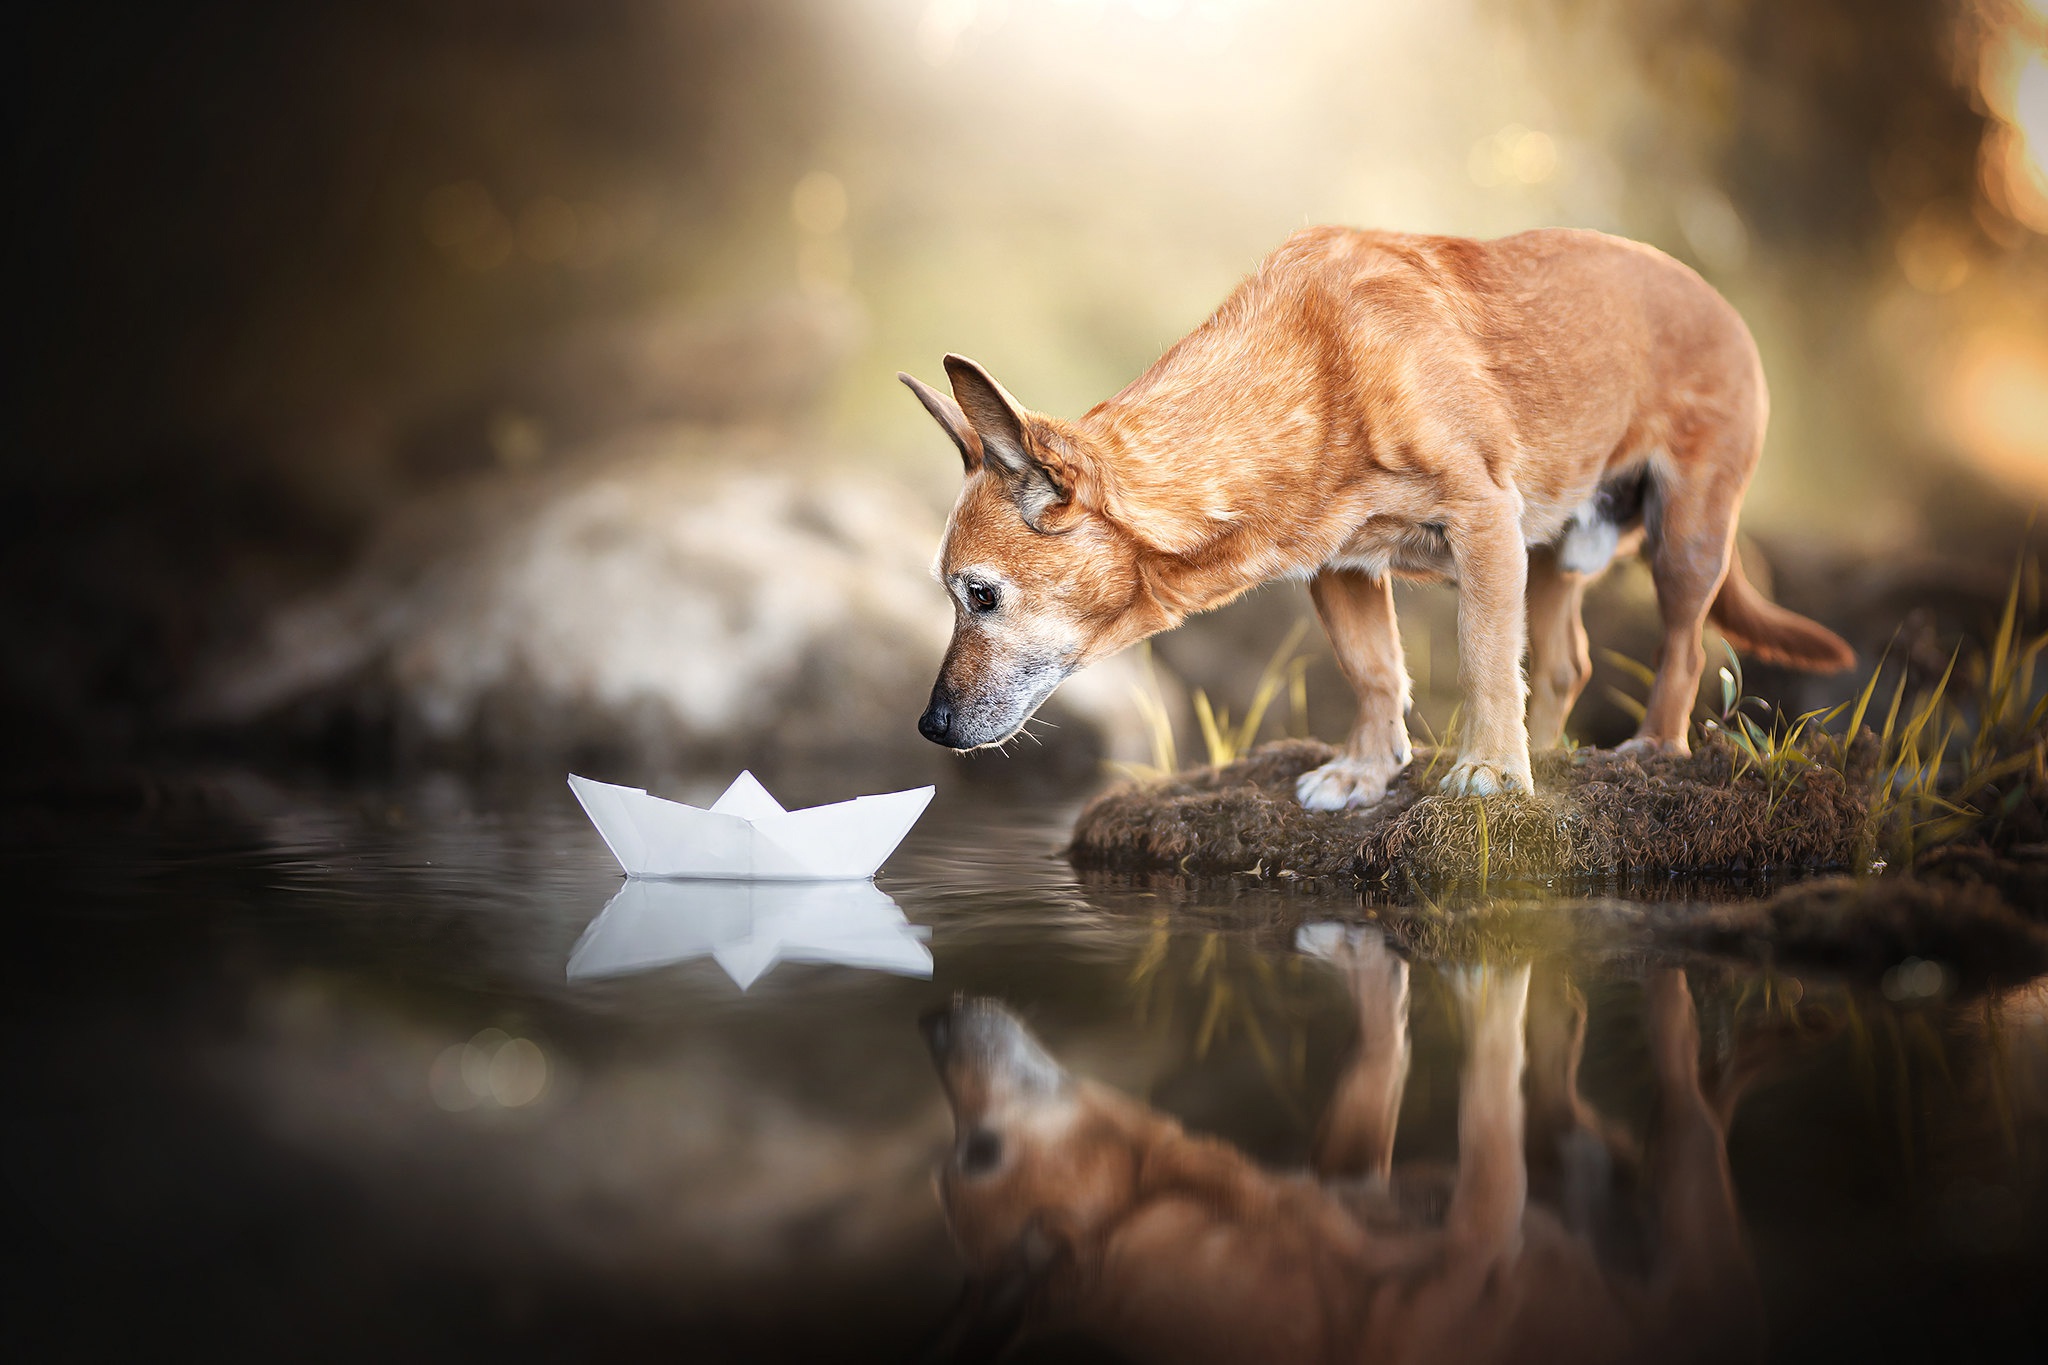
x: 301, y: 1070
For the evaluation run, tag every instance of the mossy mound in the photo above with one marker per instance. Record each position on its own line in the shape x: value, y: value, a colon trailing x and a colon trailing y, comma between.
x: 1598, y: 817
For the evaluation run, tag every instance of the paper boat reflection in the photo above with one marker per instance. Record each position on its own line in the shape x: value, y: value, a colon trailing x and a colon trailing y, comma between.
x: 747, y: 834
x: 747, y: 927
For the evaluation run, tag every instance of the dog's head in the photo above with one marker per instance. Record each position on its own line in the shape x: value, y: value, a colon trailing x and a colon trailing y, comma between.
x: 1065, y: 1197
x: 1040, y: 1160
x: 1043, y: 577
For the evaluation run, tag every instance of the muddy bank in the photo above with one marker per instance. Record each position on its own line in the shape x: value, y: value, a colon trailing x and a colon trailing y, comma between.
x: 1871, y: 925
x: 1600, y: 819
x: 1871, y: 928
x: 1689, y: 843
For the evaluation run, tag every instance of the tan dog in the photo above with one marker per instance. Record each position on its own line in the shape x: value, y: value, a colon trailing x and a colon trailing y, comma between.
x: 1510, y: 415
x: 1076, y: 1208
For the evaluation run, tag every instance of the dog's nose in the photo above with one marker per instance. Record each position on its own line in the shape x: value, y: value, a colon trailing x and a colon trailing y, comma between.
x: 937, y: 1027
x: 982, y: 1037
x: 968, y: 1025
x: 936, y: 724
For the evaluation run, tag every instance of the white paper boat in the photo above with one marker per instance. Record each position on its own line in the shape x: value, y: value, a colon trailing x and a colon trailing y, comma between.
x: 747, y: 835
x: 747, y: 927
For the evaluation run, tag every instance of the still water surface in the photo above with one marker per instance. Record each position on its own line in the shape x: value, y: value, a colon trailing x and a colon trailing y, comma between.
x: 305, y: 1073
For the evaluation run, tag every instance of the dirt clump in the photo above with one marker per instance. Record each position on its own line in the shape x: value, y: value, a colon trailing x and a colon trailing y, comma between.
x: 1230, y: 819
x: 1598, y: 816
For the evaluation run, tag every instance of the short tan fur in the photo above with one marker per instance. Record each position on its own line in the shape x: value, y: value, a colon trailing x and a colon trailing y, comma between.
x: 1509, y: 415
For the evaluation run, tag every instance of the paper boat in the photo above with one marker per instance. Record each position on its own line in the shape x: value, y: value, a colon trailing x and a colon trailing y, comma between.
x: 747, y: 927
x: 747, y: 835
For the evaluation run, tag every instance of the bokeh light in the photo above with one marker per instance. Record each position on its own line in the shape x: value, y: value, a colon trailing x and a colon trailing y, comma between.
x: 493, y: 1069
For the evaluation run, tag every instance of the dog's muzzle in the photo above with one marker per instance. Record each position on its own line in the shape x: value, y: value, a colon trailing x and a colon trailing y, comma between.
x: 984, y: 1037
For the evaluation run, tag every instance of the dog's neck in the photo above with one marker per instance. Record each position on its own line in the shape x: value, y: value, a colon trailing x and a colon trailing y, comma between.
x: 1223, y: 488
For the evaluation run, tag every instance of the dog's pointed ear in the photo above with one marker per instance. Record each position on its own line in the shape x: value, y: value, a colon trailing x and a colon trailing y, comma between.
x: 1205, y: 1169
x: 948, y: 415
x: 1038, y: 479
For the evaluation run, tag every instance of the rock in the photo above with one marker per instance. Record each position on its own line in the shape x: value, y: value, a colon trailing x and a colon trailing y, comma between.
x: 681, y: 595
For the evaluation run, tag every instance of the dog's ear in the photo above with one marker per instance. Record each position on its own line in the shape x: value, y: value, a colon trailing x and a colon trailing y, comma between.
x: 1167, y: 524
x: 948, y: 415
x: 1204, y: 1169
x: 1039, y: 480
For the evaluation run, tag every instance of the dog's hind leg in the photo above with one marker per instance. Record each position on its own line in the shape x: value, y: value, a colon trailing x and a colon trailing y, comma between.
x: 1357, y: 613
x: 1580, y: 1162
x: 1712, y: 1308
x: 1356, y: 1136
x: 1557, y: 1040
x: 1694, y: 498
x: 1559, y: 661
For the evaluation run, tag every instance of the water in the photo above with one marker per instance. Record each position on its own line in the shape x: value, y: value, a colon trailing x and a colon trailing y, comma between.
x: 299, y: 1071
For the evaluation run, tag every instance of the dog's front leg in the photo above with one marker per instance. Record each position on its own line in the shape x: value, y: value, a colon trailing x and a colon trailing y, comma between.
x: 1356, y: 1137
x: 1357, y: 613
x: 1493, y: 569
x: 1491, y: 1190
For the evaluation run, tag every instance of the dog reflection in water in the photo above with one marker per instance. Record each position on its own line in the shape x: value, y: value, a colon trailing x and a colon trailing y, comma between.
x: 1079, y: 1209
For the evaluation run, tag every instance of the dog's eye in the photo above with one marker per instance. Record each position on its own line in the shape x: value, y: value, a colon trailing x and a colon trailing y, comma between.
x: 981, y: 1152
x: 981, y: 597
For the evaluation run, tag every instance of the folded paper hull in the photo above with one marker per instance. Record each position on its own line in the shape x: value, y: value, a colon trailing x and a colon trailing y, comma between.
x: 749, y: 927
x: 746, y: 835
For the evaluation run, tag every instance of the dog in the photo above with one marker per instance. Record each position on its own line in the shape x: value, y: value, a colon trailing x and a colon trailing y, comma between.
x: 1078, y: 1210
x: 1510, y: 415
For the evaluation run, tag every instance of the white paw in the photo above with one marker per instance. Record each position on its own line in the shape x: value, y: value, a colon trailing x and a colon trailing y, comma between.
x: 1361, y: 947
x: 1467, y: 981
x: 1325, y: 938
x: 1490, y: 996
x: 1488, y: 777
x: 1345, y: 784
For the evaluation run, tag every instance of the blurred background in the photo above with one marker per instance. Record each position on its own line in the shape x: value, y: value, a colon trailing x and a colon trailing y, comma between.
x: 505, y: 383
x: 411, y: 400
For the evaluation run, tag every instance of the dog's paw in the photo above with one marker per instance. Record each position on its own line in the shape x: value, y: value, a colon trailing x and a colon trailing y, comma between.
x: 1648, y: 746
x: 1488, y: 777
x: 1361, y: 947
x: 1325, y: 939
x: 1492, y: 1000
x: 1344, y: 784
x: 1376, y: 974
x: 1467, y: 981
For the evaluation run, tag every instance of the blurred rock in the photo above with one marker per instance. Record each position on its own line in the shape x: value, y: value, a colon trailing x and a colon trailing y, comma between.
x: 680, y: 596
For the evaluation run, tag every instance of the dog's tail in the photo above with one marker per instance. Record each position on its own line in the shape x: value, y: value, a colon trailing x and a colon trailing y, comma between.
x: 1768, y: 633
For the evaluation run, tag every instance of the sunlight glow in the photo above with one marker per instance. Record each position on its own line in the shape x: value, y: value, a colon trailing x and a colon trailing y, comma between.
x: 2014, y: 83
x: 1997, y: 407
x: 945, y: 23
